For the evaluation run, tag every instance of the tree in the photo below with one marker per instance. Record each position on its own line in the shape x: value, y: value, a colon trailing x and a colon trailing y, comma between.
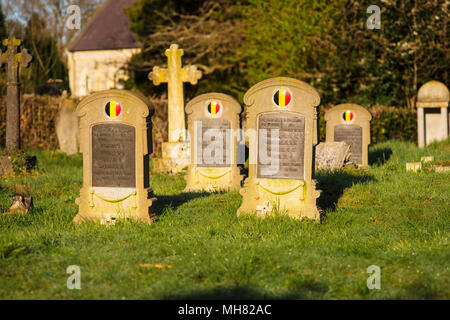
x: 55, y: 14
x: 286, y: 38
x: 208, y: 31
x: 3, y: 33
x: 48, y: 62
x: 385, y: 66
x: 324, y: 43
x: 328, y: 45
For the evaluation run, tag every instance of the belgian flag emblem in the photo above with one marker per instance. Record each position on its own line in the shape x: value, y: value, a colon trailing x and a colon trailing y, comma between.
x: 214, y: 107
x: 348, y: 116
x: 113, y: 109
x: 282, y: 98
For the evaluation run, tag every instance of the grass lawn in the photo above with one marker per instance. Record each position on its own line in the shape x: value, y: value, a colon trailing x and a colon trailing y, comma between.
x: 380, y: 216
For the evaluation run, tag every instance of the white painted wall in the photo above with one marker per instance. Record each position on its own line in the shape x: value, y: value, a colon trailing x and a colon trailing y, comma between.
x: 97, y: 70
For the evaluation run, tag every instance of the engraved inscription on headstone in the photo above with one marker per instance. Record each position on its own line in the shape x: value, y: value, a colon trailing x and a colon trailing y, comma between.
x: 352, y: 135
x: 113, y: 156
x: 207, y: 132
x: 291, y: 148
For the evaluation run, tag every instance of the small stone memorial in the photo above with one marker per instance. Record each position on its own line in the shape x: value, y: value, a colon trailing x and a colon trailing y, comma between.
x: 350, y: 123
x: 332, y: 155
x: 213, y: 123
x: 282, y: 131
x: 115, y: 139
x: 433, y: 118
x: 67, y: 128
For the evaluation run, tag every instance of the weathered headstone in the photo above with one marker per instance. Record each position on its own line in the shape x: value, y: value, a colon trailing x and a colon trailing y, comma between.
x: 67, y: 128
x: 350, y: 123
x: 13, y: 58
x: 115, y: 139
x: 175, y: 152
x: 432, y: 113
x: 332, y: 155
x: 213, y: 123
x: 282, y: 130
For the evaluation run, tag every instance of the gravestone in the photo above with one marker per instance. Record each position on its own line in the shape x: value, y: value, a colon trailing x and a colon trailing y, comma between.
x: 332, y: 155
x: 213, y: 124
x: 350, y: 123
x: 115, y: 139
x: 282, y: 131
x: 14, y: 59
x: 175, y: 153
x: 67, y: 128
x: 433, y: 117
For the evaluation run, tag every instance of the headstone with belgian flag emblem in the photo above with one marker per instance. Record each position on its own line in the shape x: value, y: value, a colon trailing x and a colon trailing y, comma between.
x: 213, y: 125
x: 116, y: 142
x: 282, y: 131
x: 350, y: 123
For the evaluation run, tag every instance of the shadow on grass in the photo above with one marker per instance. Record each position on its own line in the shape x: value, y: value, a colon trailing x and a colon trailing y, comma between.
x: 421, y: 290
x: 333, y: 184
x: 176, y: 200
x: 379, y: 156
x: 306, y: 291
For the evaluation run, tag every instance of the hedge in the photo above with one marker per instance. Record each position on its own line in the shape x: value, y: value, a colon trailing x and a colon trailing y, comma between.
x: 38, y: 115
x: 37, y: 121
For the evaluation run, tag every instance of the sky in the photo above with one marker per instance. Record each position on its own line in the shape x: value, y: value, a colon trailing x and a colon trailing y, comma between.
x: 11, y: 12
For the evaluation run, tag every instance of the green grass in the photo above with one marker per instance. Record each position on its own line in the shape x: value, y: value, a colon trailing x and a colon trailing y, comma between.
x: 381, y: 216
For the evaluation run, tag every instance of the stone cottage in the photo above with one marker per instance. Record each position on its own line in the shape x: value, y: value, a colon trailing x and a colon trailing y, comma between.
x: 96, y: 56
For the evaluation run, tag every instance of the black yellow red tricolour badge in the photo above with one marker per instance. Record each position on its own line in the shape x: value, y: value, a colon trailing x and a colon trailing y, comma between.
x: 282, y: 98
x: 348, y: 116
x: 113, y: 109
x: 214, y: 107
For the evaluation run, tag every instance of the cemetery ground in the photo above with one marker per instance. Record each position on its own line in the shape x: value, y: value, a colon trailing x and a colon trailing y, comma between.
x: 198, y: 248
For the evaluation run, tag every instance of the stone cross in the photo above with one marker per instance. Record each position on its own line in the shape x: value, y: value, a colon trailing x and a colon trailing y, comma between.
x: 175, y: 75
x: 13, y: 59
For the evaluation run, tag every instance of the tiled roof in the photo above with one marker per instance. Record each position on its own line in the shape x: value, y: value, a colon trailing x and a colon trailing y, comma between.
x: 108, y: 29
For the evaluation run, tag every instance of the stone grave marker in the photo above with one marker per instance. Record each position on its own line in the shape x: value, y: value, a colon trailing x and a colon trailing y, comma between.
x: 282, y: 131
x: 213, y: 124
x: 332, y: 155
x: 350, y: 123
x: 14, y: 59
x: 432, y: 113
x: 67, y: 128
x: 175, y: 152
x: 115, y: 139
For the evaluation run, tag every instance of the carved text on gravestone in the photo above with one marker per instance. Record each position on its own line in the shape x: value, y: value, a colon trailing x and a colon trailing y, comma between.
x: 220, y: 129
x: 291, y: 147
x: 352, y: 135
x: 113, y: 156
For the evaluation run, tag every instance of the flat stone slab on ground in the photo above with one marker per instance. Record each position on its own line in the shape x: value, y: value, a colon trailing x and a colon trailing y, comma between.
x: 427, y: 159
x: 413, y: 166
x: 442, y: 167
